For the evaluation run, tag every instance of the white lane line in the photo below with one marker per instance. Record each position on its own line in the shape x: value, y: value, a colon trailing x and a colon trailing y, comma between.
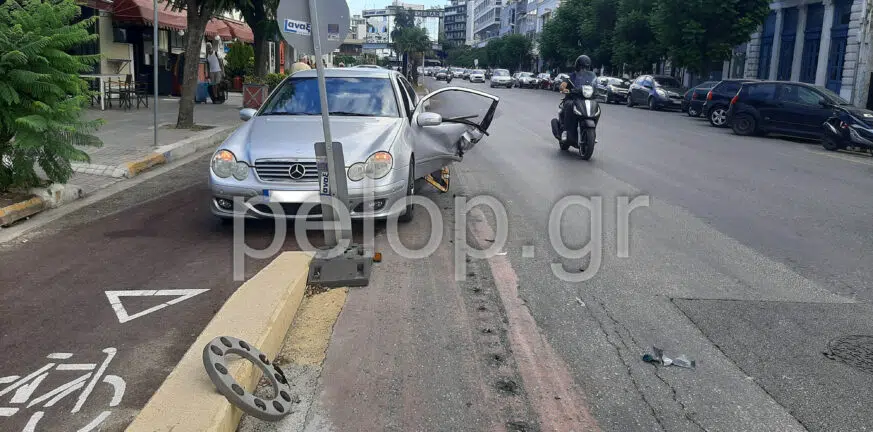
x: 77, y: 366
x: 8, y: 412
x: 59, y: 356
x: 65, y: 389
x: 122, y: 314
x: 26, y: 379
x: 96, y: 422
x: 34, y: 419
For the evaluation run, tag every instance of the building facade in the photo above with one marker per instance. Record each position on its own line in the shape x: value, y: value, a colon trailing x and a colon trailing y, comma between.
x: 380, y: 25
x: 455, y: 23
x: 486, y: 20
x: 824, y: 43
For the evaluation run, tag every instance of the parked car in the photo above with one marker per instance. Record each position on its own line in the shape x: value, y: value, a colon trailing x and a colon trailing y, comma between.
x: 501, y: 78
x: 442, y: 74
x: 545, y: 81
x: 718, y: 100
x: 782, y: 107
x: 525, y: 80
x: 556, y: 83
x: 388, y: 134
x: 457, y: 72
x: 692, y: 103
x: 612, y: 90
x: 477, y: 76
x: 656, y: 92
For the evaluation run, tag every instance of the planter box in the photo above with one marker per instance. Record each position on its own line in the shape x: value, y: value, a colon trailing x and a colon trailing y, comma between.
x: 254, y: 95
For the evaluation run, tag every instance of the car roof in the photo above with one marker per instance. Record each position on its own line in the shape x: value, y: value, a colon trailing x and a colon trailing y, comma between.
x: 348, y: 73
x: 664, y: 76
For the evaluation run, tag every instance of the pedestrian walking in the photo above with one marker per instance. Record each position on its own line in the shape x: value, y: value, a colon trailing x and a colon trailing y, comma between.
x: 301, y: 65
x: 215, y: 70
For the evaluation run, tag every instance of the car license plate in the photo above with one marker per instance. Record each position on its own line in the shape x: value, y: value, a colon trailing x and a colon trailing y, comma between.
x: 292, y: 196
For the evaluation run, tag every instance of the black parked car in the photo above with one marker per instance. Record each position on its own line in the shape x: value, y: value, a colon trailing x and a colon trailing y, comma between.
x: 612, y: 90
x: 786, y: 108
x: 556, y: 83
x: 692, y: 103
x: 718, y: 100
x: 656, y: 92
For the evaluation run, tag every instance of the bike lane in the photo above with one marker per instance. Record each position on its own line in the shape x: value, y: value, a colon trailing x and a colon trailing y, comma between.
x: 93, y: 316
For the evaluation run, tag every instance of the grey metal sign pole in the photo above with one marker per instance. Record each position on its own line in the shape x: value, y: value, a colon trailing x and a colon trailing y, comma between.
x: 320, y: 26
x: 155, y: 67
x: 334, y: 175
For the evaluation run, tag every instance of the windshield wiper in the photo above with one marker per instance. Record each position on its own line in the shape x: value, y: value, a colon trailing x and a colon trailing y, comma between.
x: 284, y: 113
x: 350, y: 114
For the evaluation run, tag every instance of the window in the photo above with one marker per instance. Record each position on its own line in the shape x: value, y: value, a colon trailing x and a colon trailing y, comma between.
x: 371, y: 97
x: 731, y: 87
x: 667, y: 82
x: 761, y: 92
x: 412, y: 95
x: 404, y: 95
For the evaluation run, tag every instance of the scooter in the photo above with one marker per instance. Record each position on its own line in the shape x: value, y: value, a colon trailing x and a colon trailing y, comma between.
x: 848, y: 128
x: 587, y: 114
x: 449, y: 77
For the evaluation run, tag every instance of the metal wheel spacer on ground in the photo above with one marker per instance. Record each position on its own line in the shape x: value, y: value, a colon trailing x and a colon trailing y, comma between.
x: 214, y: 360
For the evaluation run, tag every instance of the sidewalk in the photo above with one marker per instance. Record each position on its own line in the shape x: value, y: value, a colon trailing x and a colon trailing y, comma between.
x: 128, y: 137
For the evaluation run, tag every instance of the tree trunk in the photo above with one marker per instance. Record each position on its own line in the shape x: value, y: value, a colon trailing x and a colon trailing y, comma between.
x: 196, y: 29
x: 255, y: 16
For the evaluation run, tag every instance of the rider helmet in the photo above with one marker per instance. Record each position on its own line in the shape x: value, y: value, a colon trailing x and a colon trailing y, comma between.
x: 583, y: 62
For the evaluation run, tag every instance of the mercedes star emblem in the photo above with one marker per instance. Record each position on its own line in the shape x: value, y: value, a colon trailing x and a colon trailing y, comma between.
x: 297, y: 171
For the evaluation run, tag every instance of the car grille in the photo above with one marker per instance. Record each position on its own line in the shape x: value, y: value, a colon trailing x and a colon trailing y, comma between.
x: 279, y: 170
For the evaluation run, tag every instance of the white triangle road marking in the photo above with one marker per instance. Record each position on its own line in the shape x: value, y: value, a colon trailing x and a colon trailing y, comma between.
x: 123, y: 317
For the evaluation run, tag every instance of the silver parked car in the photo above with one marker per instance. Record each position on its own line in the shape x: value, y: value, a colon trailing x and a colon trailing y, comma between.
x: 477, y: 75
x: 525, y: 80
x: 387, y: 135
x: 501, y: 78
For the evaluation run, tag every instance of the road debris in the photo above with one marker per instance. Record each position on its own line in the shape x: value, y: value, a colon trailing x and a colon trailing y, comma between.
x: 658, y: 358
x: 578, y: 300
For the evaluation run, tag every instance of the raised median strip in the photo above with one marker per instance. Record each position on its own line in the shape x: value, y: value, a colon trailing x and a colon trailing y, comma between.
x: 260, y: 312
x: 21, y: 210
x: 170, y: 152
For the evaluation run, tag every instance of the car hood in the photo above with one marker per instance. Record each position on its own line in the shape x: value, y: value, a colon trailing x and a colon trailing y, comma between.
x: 676, y: 90
x: 500, y: 78
x: 268, y: 137
x: 861, y: 114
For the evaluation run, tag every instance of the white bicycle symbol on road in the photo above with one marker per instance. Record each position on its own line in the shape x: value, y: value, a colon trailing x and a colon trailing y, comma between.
x: 25, y: 387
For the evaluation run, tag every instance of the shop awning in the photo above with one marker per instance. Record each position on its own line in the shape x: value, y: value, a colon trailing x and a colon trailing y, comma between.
x: 240, y: 30
x: 142, y: 11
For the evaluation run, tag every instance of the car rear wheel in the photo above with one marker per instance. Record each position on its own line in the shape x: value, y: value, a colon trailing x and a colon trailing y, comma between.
x: 744, y: 124
x: 718, y: 116
x: 651, y: 103
x: 630, y: 101
x: 692, y: 112
x: 829, y: 143
x: 409, y: 212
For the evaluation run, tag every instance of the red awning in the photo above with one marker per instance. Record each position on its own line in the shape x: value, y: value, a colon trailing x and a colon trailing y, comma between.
x: 142, y: 11
x: 240, y: 30
x: 216, y: 27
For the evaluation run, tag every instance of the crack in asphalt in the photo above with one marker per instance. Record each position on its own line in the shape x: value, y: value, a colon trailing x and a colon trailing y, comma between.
x: 734, y: 364
x: 617, y: 349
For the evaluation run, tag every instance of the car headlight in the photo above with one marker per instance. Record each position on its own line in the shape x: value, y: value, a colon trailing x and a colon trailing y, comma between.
x: 587, y: 91
x: 378, y: 165
x: 240, y: 171
x: 661, y: 93
x: 223, y: 163
x: 356, y: 171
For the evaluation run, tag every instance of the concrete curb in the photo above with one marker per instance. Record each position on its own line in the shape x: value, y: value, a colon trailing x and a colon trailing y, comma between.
x: 21, y: 210
x: 260, y: 312
x: 170, y: 152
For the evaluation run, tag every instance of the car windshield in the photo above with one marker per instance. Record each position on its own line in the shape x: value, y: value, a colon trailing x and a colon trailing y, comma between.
x: 370, y: 97
x: 478, y: 71
x: 543, y: 75
x: 615, y: 81
x: 834, y: 98
x: 501, y: 72
x: 525, y: 75
x: 666, y: 82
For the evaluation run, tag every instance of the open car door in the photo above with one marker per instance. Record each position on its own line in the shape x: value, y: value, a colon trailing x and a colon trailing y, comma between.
x: 447, y: 123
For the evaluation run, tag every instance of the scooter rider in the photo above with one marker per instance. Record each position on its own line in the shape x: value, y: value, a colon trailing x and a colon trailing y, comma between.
x: 582, y: 76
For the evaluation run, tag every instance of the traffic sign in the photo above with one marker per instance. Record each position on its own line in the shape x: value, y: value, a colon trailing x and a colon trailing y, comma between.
x: 296, y: 26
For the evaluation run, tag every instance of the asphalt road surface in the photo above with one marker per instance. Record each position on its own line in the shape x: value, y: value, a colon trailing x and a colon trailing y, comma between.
x: 751, y: 258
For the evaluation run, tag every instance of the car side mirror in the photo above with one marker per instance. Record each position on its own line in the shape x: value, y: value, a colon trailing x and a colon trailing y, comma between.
x: 429, y: 119
x: 825, y: 104
x: 246, y: 114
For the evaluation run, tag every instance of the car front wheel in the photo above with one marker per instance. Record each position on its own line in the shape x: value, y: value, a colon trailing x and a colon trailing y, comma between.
x: 409, y: 212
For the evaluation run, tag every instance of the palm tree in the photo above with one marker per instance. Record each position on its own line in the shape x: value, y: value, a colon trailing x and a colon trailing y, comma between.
x: 415, y: 42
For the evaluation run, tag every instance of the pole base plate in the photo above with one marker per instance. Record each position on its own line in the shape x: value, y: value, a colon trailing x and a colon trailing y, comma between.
x: 352, y: 268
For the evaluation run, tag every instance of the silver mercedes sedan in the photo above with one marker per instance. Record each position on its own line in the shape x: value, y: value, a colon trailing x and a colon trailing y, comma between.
x: 388, y: 136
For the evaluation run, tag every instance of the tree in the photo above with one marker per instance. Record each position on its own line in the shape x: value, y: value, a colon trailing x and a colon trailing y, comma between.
x: 707, y: 30
x: 560, y: 40
x: 515, y: 50
x: 412, y: 41
x: 41, y: 94
x: 634, y: 45
x: 198, y: 13
x: 403, y: 19
x: 240, y: 60
x: 260, y: 15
